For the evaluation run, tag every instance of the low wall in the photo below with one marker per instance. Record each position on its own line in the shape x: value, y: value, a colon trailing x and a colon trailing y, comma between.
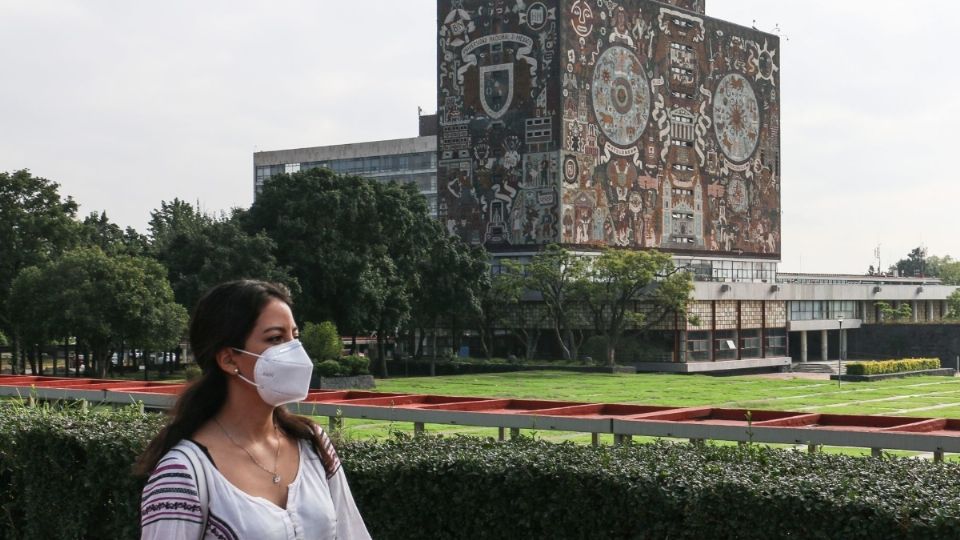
x: 420, y: 368
x: 364, y: 382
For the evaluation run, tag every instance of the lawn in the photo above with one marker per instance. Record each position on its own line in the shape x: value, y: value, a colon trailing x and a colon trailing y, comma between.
x: 917, y: 396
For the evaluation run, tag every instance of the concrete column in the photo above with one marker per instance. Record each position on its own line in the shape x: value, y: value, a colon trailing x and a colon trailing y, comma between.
x: 824, y: 349
x: 929, y: 310
x: 803, y: 345
x: 864, y: 307
x: 913, y: 308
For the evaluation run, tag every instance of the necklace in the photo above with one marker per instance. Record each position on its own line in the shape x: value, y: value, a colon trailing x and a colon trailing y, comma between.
x: 276, y: 458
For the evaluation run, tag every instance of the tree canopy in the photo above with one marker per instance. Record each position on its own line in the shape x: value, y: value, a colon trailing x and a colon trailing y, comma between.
x: 102, y: 300
x: 631, y: 289
x: 200, y: 251
x: 36, y: 225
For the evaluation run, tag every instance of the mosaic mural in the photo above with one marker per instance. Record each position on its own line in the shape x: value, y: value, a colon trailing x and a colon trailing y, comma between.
x: 696, y: 6
x: 594, y: 122
x: 498, y: 168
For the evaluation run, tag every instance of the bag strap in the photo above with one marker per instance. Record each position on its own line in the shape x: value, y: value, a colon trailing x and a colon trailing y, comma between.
x: 191, y: 452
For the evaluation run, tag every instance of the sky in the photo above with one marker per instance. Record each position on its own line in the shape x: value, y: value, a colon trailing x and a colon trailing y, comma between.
x: 129, y: 103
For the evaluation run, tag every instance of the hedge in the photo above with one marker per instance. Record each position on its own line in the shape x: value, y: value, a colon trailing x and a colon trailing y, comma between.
x: 882, y: 367
x: 66, y: 476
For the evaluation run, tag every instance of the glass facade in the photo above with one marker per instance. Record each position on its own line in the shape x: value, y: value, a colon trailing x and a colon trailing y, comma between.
x: 815, y: 310
x: 730, y: 270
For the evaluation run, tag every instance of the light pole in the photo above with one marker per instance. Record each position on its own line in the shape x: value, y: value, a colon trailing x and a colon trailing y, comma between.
x: 839, y: 348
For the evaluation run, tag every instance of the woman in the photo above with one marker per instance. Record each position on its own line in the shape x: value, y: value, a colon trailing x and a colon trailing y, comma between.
x: 233, y: 462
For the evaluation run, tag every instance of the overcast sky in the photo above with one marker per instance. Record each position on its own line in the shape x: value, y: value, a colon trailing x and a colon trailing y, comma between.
x: 127, y: 103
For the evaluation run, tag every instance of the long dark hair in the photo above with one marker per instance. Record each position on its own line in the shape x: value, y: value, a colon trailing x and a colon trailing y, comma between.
x: 224, y: 317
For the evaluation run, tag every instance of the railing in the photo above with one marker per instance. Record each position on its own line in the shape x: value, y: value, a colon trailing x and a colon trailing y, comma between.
x: 623, y: 421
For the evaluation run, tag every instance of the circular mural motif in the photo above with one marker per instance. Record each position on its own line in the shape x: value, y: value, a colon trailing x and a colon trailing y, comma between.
x: 570, y: 170
x: 621, y: 96
x: 736, y: 117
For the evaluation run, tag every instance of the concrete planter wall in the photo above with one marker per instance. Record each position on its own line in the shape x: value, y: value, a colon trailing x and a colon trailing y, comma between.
x: 943, y: 372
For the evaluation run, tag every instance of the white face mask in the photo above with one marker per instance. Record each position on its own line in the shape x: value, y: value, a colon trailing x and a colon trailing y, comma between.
x: 282, y: 373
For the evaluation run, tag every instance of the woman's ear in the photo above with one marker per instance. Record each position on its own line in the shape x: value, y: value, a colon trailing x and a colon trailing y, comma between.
x: 226, y: 362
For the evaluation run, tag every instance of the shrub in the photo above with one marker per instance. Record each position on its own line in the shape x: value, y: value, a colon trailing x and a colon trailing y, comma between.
x: 329, y: 368
x: 355, y: 365
x: 192, y: 372
x: 533, y: 489
x: 322, y: 341
x: 64, y: 474
x: 882, y: 367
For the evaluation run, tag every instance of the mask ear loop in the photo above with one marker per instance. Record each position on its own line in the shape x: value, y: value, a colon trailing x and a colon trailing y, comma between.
x: 236, y: 370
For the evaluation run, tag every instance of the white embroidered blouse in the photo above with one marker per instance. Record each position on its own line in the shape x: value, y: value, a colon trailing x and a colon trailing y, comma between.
x: 319, y: 504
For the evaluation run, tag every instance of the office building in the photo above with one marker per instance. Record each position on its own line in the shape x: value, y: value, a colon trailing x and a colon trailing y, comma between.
x: 412, y: 160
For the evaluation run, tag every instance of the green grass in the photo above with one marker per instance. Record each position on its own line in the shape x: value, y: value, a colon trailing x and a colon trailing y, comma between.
x: 748, y: 392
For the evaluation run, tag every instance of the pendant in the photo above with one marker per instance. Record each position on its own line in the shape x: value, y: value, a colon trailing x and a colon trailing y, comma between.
x: 276, y: 479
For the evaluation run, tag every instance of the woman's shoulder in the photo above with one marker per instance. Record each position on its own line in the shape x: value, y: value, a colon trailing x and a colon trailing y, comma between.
x: 181, y: 461
x: 171, y: 491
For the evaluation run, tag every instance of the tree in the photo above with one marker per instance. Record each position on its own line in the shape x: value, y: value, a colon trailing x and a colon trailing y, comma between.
x: 945, y: 268
x: 322, y: 341
x: 200, y: 251
x: 102, y: 300
x: 554, y: 273
x: 321, y: 226
x: 174, y: 219
x: 97, y: 230
x: 953, y: 305
x: 453, y: 278
x: 888, y: 313
x: 354, y: 245
x: 624, y: 288
x: 35, y: 226
x: 498, y: 301
x: 913, y: 265
x: 35, y: 312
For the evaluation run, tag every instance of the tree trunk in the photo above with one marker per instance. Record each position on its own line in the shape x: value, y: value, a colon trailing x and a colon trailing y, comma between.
x: 100, y: 359
x: 381, y: 358
x: 32, y: 358
x: 563, y: 345
x: 66, y: 357
x: 531, y: 338
x: 14, y: 352
x: 433, y: 357
x: 421, y: 343
x: 486, y: 339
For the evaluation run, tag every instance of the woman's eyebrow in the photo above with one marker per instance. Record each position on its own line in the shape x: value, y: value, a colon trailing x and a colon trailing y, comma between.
x: 273, y: 328
x: 279, y: 328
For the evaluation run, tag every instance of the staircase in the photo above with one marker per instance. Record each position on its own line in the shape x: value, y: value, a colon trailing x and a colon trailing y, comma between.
x: 829, y: 367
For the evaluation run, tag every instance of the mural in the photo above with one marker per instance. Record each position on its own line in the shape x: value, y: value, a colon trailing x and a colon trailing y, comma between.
x: 498, y: 168
x: 596, y: 122
x: 696, y: 6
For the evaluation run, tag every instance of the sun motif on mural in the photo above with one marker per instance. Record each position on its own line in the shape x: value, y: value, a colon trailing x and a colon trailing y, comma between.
x: 736, y: 118
x: 764, y: 62
x: 621, y: 96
